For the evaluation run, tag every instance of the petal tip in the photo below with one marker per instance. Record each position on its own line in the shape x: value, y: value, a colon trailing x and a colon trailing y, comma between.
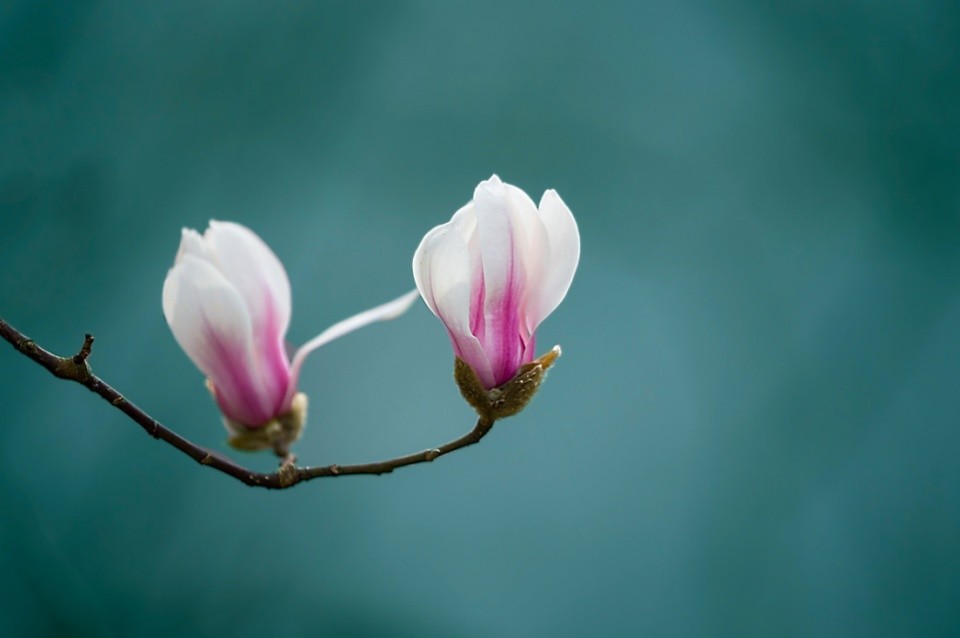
x: 492, y: 185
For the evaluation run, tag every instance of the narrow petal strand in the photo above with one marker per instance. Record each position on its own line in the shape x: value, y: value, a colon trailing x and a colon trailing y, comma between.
x: 383, y: 312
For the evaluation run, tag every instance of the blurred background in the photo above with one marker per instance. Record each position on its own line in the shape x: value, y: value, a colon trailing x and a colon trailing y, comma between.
x: 753, y: 430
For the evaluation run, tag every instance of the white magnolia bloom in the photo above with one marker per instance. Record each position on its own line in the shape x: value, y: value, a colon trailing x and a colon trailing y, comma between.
x: 227, y: 301
x: 496, y: 270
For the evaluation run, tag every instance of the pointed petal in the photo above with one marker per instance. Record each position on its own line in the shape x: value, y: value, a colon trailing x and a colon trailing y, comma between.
x: 193, y: 243
x: 383, y: 312
x: 209, y: 320
x: 532, y: 234
x: 562, y: 259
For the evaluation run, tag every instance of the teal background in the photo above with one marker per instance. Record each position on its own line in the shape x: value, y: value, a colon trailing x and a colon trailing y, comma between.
x: 753, y: 430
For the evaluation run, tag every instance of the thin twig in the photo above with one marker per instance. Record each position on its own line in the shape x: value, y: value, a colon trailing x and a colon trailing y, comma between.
x: 76, y: 368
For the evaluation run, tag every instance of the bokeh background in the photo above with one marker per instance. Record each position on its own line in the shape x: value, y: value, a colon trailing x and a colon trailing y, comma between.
x: 753, y: 430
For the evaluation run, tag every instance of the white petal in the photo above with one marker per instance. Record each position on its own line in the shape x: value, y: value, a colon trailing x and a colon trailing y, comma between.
x: 444, y: 242
x: 193, y: 243
x: 192, y: 290
x: 533, y: 245
x: 561, y: 262
x: 526, y: 215
x: 445, y: 268
x: 254, y: 270
x: 501, y: 231
x: 383, y: 312
x: 210, y: 321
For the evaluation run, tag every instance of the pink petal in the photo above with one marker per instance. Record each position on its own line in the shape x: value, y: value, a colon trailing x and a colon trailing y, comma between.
x: 447, y: 275
x: 211, y: 323
x: 503, y: 243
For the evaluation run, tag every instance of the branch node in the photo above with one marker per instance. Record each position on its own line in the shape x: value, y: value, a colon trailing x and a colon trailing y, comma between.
x: 27, y: 345
x: 335, y: 470
x: 67, y: 368
x: 81, y: 356
x: 431, y: 454
x: 288, y: 472
x: 76, y: 367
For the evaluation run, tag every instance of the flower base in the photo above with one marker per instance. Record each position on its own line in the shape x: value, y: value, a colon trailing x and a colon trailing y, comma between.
x: 509, y: 398
x: 277, y: 434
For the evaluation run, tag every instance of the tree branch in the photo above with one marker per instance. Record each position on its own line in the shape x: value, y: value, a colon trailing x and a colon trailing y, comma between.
x: 75, y: 368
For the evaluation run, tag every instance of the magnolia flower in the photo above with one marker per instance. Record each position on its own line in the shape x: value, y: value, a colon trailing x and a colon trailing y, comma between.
x: 496, y: 270
x: 227, y: 301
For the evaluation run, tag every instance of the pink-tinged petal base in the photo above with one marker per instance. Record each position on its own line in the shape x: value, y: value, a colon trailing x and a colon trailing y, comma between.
x: 234, y: 385
x: 276, y: 373
x: 498, y: 293
x: 250, y: 380
x: 501, y: 333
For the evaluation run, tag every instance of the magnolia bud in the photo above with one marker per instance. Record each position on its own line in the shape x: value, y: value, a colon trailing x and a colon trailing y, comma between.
x: 507, y: 399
